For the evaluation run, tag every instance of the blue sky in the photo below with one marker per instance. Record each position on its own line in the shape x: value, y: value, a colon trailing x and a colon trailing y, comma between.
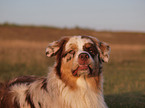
x: 120, y: 15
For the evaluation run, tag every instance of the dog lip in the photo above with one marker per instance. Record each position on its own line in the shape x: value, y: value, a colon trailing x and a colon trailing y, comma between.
x: 81, y: 68
x: 75, y: 71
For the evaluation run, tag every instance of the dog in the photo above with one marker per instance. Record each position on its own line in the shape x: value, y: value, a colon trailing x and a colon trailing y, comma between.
x: 75, y: 80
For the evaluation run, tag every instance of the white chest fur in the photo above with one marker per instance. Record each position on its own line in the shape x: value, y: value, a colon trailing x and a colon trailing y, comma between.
x: 83, y: 97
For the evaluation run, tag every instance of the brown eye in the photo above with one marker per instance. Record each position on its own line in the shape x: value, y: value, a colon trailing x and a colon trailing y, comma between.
x: 72, y: 52
x: 69, y: 52
x: 91, y: 50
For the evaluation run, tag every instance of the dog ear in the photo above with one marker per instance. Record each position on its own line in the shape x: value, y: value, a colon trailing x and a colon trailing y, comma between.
x: 103, y: 48
x: 54, y: 47
x: 104, y: 51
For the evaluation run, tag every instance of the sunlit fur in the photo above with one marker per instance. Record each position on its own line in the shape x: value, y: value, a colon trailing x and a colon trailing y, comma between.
x: 60, y: 89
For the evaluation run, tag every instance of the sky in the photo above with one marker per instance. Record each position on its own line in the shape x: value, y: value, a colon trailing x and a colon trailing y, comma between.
x: 115, y: 15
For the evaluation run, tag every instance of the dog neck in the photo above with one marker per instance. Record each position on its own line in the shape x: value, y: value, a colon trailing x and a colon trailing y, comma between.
x: 86, y: 95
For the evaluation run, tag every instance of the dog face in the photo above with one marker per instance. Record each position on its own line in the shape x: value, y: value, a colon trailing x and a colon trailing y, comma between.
x: 78, y: 56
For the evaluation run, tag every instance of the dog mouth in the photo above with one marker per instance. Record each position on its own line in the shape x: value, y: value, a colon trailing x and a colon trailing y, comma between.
x: 82, y: 70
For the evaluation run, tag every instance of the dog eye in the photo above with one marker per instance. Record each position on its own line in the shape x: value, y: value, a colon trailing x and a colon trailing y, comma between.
x: 91, y: 50
x: 72, y: 52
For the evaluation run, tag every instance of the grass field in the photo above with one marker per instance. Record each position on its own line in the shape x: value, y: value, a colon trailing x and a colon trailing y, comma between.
x: 22, y: 52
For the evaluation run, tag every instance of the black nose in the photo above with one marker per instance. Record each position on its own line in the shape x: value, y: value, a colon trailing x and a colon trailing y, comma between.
x: 83, y: 57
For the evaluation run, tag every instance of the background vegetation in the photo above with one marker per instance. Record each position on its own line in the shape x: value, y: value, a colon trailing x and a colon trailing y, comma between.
x: 22, y: 52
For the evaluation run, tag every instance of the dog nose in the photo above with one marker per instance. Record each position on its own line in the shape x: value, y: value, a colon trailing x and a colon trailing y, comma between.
x: 83, y: 58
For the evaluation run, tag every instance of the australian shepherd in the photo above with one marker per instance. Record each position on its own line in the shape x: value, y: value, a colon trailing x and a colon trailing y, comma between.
x: 75, y: 80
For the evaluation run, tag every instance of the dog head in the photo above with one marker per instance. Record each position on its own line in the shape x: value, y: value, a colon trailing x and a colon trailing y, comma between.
x: 78, y: 56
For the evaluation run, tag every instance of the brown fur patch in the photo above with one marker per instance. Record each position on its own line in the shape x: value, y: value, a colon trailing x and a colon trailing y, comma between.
x: 6, y: 100
x: 59, y: 55
x: 66, y: 74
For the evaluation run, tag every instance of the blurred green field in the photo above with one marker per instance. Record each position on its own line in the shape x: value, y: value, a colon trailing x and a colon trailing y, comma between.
x: 22, y: 52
